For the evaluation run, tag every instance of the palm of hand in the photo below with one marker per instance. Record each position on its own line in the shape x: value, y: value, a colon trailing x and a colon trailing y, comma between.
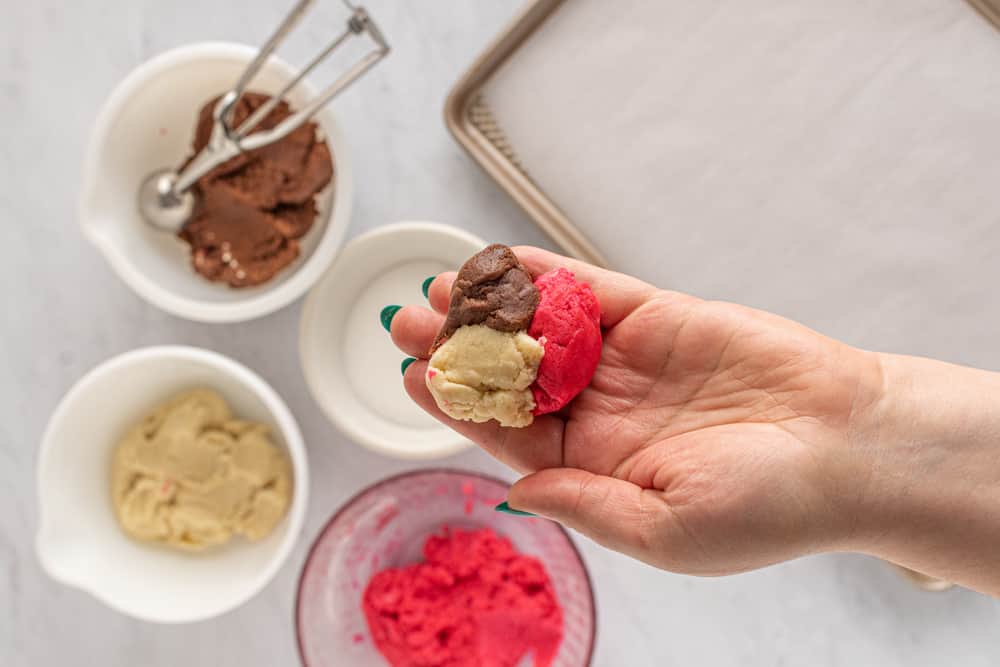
x: 723, y: 413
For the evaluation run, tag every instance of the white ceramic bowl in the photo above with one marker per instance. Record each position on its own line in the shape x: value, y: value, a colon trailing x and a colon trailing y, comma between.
x: 349, y: 361
x: 147, y: 124
x: 79, y: 541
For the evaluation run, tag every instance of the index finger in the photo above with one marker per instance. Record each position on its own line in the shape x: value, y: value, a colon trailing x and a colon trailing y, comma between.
x: 439, y: 291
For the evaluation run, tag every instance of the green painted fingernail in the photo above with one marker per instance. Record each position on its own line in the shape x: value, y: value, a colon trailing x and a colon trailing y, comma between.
x: 427, y: 285
x: 507, y: 509
x: 386, y: 316
x: 406, y: 364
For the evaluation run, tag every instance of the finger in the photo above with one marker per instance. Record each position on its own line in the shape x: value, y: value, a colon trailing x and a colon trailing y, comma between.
x: 439, y: 291
x: 413, y: 330
x: 612, y: 512
x: 617, y: 293
x: 524, y: 449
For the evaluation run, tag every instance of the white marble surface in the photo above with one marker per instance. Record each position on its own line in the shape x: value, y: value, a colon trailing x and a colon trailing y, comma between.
x: 64, y: 311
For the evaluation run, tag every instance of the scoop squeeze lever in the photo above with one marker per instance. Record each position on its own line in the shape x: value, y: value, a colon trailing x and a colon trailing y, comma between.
x: 164, y: 200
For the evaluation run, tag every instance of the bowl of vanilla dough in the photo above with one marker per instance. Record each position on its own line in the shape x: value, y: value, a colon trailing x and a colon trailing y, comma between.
x: 172, y: 484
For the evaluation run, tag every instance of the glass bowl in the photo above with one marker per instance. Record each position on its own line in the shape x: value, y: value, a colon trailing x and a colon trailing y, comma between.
x: 385, y: 526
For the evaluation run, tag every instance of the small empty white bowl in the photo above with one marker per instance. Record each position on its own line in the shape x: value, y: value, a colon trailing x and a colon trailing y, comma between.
x: 147, y: 124
x: 79, y: 541
x: 349, y: 360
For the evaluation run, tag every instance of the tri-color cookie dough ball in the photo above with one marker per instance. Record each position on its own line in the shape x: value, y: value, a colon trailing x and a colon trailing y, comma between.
x: 512, y: 348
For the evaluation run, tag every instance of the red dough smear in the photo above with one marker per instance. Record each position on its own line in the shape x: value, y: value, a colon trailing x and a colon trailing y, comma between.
x: 568, y: 323
x: 475, y: 602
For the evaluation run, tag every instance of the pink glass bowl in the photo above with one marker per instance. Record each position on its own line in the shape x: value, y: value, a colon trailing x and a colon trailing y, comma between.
x: 386, y: 524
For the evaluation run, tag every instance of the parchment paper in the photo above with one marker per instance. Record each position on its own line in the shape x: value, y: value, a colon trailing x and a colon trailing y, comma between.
x: 834, y: 162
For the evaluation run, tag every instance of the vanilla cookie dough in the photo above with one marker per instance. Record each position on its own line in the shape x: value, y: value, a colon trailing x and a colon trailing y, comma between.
x: 512, y: 348
x: 480, y: 373
x: 191, y: 476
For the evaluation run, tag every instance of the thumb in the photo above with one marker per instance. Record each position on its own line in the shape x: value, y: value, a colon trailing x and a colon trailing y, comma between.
x: 612, y: 512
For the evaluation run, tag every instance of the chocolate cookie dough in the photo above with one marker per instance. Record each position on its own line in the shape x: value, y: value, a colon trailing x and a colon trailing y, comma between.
x: 492, y: 288
x: 191, y: 476
x: 511, y: 349
x: 251, y: 210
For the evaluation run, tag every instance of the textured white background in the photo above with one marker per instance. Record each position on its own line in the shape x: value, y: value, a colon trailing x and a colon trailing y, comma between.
x: 63, y: 312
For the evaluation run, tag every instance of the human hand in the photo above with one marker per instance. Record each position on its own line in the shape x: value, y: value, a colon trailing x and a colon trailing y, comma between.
x: 713, y: 438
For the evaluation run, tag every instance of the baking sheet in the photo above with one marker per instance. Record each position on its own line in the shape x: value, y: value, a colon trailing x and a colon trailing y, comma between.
x: 838, y: 163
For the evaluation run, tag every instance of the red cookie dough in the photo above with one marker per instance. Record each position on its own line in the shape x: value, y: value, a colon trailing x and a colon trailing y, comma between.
x: 475, y: 602
x: 567, y: 322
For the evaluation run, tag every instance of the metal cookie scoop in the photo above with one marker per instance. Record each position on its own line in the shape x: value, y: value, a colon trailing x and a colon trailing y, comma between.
x: 164, y: 198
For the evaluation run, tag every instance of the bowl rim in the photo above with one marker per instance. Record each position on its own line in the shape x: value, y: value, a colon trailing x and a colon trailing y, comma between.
x: 302, y: 277
x: 328, y: 524
x: 290, y: 432
x: 450, y: 442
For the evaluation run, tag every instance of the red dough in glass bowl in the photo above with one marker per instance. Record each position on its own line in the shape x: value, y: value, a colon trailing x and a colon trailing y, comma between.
x: 567, y: 322
x: 473, y: 601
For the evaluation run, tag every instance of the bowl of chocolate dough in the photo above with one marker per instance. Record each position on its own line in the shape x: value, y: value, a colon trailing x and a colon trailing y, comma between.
x: 265, y: 224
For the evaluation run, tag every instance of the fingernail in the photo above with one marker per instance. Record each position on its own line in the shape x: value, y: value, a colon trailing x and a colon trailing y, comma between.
x: 507, y: 509
x: 406, y: 364
x: 427, y: 285
x: 386, y: 316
